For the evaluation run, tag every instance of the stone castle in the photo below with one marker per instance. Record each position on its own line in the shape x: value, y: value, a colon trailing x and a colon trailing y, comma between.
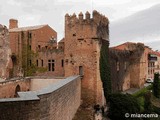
x: 34, y: 51
x: 76, y: 54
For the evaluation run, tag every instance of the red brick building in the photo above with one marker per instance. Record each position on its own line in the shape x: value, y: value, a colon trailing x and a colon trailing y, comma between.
x: 41, y: 40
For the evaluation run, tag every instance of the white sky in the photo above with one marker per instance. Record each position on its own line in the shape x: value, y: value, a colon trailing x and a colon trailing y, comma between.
x: 51, y: 12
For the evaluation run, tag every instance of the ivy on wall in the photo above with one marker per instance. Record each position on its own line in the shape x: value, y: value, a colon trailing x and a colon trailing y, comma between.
x: 105, y: 68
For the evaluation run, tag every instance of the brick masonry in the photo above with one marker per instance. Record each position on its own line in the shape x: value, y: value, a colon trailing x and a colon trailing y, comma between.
x: 59, y: 101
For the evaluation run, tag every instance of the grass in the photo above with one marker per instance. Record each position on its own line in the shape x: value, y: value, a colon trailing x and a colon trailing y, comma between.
x: 142, y: 91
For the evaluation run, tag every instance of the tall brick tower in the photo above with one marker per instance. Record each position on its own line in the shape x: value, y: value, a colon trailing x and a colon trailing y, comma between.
x: 83, y: 38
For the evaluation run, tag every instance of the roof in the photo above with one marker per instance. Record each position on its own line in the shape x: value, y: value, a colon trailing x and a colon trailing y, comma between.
x: 155, y: 53
x: 62, y: 40
x: 27, y: 28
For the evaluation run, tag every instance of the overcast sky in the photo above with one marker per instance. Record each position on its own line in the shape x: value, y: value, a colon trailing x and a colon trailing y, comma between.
x: 123, y: 16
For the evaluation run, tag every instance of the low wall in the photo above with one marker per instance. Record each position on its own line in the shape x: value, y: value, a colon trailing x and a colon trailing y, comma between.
x: 58, y: 101
x: 8, y: 88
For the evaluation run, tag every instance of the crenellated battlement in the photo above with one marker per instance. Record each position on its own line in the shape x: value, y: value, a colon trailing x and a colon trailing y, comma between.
x: 83, y: 19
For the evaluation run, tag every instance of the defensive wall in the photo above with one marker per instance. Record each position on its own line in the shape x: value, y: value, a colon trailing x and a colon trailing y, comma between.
x: 58, y: 101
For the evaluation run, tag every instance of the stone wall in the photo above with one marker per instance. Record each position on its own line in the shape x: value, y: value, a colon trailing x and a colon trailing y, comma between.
x: 4, y: 52
x: 128, y: 66
x: 59, y: 101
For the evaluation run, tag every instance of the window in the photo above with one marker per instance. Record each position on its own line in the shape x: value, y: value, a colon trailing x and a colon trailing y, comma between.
x: 46, y: 47
x: 37, y: 62
x: 39, y: 47
x: 62, y: 62
x: 50, y: 65
x: 81, y: 71
x: 17, y: 90
x: 30, y: 35
x: 42, y: 63
x: 30, y: 62
x: 30, y: 47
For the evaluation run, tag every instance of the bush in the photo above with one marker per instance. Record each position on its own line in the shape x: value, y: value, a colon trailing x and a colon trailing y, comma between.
x: 143, y: 91
x: 156, y: 85
x: 120, y: 104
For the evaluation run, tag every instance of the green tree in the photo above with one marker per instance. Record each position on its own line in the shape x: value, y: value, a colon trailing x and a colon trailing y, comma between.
x: 120, y: 104
x: 156, y: 85
x: 105, y: 68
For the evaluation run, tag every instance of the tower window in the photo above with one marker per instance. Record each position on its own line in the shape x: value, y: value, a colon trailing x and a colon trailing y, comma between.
x: 62, y: 62
x: 37, y: 62
x: 42, y: 63
x: 30, y: 62
x: 81, y: 73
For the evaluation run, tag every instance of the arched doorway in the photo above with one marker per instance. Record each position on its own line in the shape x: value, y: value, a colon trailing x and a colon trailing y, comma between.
x: 17, y: 90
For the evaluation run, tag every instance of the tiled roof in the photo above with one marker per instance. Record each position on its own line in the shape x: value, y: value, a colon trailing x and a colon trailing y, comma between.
x: 26, y: 28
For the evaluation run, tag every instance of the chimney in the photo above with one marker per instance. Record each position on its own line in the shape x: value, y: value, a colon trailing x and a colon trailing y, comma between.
x: 13, y: 23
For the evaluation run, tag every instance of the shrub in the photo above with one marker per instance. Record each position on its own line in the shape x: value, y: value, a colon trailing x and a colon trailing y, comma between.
x: 156, y: 85
x: 120, y: 104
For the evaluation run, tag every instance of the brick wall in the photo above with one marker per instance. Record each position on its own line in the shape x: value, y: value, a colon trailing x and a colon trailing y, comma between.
x: 82, y: 51
x: 8, y: 88
x: 59, y: 101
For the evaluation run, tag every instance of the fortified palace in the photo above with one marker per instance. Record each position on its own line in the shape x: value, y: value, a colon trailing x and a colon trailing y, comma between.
x: 78, y: 53
x: 72, y: 65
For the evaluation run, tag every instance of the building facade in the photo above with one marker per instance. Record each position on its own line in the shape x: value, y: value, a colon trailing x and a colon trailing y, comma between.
x: 34, y: 47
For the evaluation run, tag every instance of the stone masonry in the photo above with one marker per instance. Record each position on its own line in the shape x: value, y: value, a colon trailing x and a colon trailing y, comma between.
x: 4, y: 52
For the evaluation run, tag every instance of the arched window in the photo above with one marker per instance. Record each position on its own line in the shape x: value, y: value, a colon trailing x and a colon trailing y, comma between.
x: 17, y: 90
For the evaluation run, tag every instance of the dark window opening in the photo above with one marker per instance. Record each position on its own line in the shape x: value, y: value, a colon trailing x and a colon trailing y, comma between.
x: 81, y: 39
x: 81, y: 71
x: 74, y: 34
x: 30, y: 35
x: 30, y: 47
x: 46, y: 47
x: 17, y: 90
x: 37, y: 62
x: 42, y: 63
x: 62, y: 63
x: 39, y: 47
x: 51, y: 65
x: 30, y: 62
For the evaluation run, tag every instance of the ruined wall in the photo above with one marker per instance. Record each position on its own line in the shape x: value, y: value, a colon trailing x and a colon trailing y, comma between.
x: 120, y: 71
x: 59, y: 101
x: 130, y: 60
x: 8, y: 88
x: 4, y: 52
x: 82, y: 51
